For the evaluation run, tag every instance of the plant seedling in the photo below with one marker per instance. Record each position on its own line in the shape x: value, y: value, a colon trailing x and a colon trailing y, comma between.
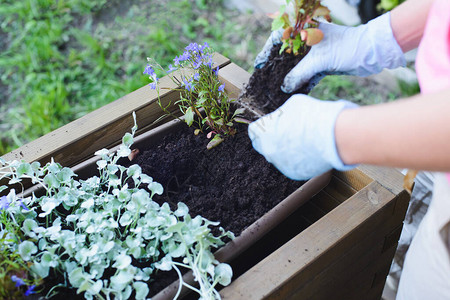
x: 203, y: 100
x: 303, y: 29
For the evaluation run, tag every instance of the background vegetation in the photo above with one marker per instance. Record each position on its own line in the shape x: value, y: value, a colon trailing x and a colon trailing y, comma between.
x: 62, y: 59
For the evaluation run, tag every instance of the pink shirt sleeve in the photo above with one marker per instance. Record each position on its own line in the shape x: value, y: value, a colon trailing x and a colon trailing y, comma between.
x: 433, y: 56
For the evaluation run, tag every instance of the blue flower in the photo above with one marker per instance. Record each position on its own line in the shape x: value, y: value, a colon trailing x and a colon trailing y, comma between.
x: 205, y: 45
x: 153, y: 85
x: 197, y: 64
x: 192, y: 47
x: 183, y: 57
x: 30, y: 290
x: 177, y: 60
x: 221, y: 88
x: 19, y: 281
x: 23, y: 206
x: 196, y: 76
x: 188, y: 85
x: 149, y: 71
x: 4, y: 203
x: 216, y: 71
x: 171, y: 69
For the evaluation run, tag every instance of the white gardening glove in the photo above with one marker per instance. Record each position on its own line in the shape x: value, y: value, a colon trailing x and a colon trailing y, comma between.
x: 363, y: 50
x: 298, y: 138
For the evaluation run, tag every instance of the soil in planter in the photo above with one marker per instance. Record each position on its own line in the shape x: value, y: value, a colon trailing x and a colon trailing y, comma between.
x: 231, y: 183
x: 264, y: 86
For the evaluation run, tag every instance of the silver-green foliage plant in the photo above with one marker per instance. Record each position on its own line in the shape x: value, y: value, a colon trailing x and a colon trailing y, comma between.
x: 99, y: 232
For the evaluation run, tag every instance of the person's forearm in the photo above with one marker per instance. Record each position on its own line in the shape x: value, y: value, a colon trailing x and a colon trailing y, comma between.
x: 411, y: 133
x: 408, y: 22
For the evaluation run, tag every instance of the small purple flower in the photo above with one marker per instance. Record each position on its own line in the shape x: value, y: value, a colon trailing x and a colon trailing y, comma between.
x: 149, y: 70
x: 196, y: 76
x: 205, y: 45
x: 153, y: 85
x: 183, y: 57
x: 171, y: 69
x: 221, y: 88
x: 30, y: 290
x: 192, y: 47
x: 4, y: 203
x: 188, y: 85
x: 19, y: 281
x: 197, y: 64
x: 23, y: 206
x: 216, y: 71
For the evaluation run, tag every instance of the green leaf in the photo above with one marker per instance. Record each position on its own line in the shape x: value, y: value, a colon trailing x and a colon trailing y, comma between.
x: 134, y: 171
x: 141, y: 290
x: 51, y: 181
x: 156, y: 188
x: 126, y: 219
x: 182, y: 210
x: 216, y: 140
x: 122, y: 261
x: 127, y: 139
x: 284, y: 46
x: 27, y: 249
x: 278, y: 23
x: 76, y: 277
x: 224, y: 273
x: 24, y: 168
x: 189, y: 116
x: 296, y: 44
x: 65, y: 175
x: 238, y: 111
x: 123, y: 151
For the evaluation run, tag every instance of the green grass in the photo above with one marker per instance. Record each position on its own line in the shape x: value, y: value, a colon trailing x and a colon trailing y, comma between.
x: 63, y: 59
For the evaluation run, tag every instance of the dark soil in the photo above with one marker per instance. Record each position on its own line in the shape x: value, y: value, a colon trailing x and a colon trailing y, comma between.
x: 231, y: 183
x: 263, y: 88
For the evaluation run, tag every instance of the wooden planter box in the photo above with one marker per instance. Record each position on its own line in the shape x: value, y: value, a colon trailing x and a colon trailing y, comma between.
x: 339, y: 245
x: 346, y: 249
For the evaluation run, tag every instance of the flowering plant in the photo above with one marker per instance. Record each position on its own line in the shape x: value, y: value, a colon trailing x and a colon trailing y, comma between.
x: 200, y: 91
x: 104, y: 237
x: 304, y: 28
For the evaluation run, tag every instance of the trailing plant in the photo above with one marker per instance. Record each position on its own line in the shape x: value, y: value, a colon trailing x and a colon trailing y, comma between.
x: 104, y: 237
x: 203, y: 100
x: 302, y: 29
x: 15, y: 279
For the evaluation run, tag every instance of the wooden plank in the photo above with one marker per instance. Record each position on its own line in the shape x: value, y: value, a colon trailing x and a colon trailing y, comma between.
x: 101, y: 128
x: 339, y: 276
x: 390, y: 178
x: 355, y: 178
x: 310, y: 246
x: 234, y: 78
x: 324, y: 201
x: 339, y: 190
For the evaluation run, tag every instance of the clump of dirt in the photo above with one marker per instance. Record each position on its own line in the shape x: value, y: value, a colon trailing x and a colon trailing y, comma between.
x: 264, y: 86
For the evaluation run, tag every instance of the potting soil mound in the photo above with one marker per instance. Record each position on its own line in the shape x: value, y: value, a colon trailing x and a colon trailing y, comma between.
x: 264, y: 86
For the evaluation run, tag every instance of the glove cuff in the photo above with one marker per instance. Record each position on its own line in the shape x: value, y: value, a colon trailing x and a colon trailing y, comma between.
x: 335, y: 160
x: 381, y: 47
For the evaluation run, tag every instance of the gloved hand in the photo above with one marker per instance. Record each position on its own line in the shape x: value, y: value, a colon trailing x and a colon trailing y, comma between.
x: 298, y: 138
x: 363, y: 50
